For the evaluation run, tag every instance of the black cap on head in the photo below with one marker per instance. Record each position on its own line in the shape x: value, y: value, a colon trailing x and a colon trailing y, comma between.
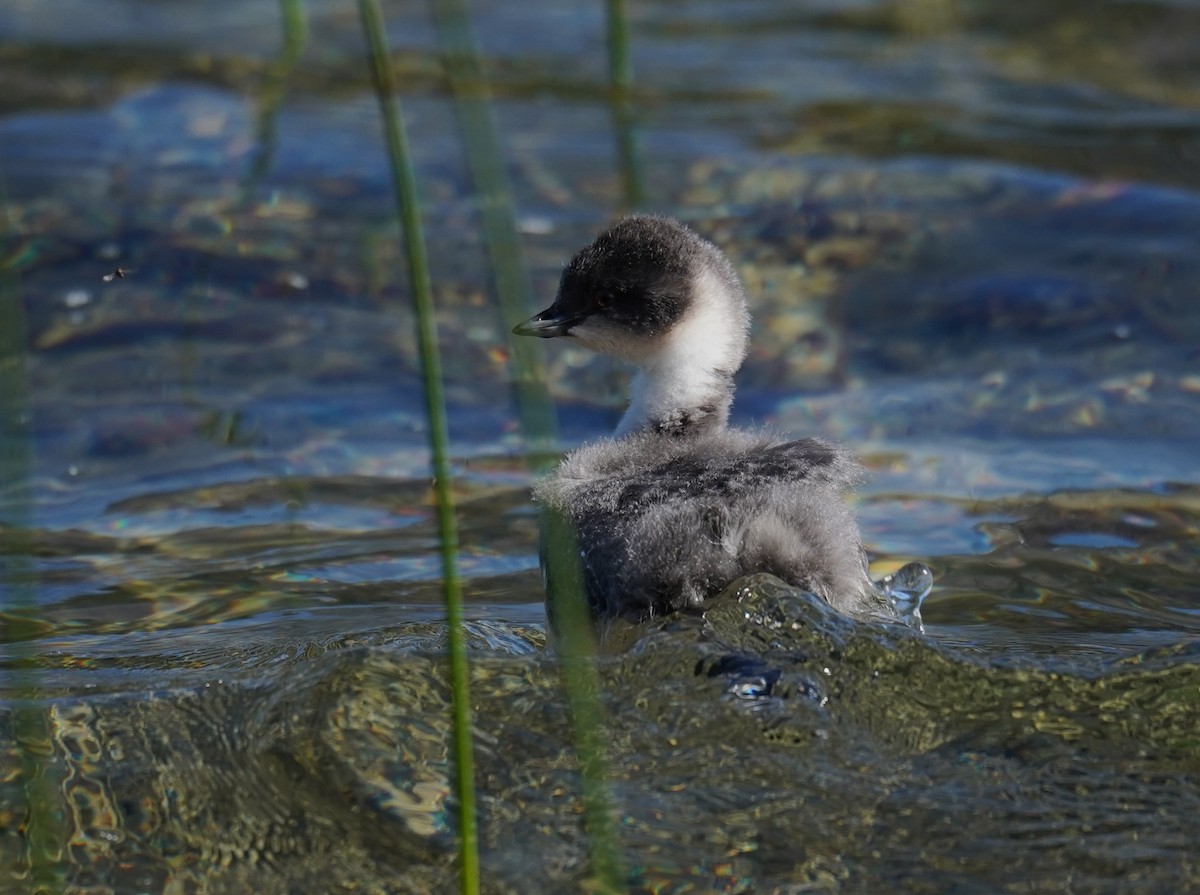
x: 637, y: 274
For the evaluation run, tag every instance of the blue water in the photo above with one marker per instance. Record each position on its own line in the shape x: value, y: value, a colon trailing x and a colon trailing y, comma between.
x: 969, y: 234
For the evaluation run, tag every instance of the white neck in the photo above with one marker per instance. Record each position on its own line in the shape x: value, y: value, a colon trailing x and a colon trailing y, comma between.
x: 690, y: 376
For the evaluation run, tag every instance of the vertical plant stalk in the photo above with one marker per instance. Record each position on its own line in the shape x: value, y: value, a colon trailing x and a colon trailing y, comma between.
x: 485, y: 158
x: 295, y: 37
x: 45, y: 836
x: 620, y: 85
x: 408, y: 209
x: 577, y: 653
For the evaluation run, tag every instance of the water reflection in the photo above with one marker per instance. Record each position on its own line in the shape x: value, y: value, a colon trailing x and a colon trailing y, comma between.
x: 970, y: 237
x: 341, y: 775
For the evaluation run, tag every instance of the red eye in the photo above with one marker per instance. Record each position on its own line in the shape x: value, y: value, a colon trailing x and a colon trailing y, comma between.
x: 603, y: 298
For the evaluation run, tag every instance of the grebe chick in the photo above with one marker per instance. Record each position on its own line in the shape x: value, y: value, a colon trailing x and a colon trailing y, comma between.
x: 675, y: 506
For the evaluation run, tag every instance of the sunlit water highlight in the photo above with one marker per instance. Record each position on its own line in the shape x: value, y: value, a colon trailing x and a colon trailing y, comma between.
x: 970, y: 238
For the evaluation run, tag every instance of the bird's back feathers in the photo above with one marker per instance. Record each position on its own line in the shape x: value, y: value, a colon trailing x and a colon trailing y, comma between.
x: 665, y: 522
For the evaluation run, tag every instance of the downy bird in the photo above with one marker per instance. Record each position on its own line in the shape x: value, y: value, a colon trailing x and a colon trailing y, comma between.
x: 675, y: 505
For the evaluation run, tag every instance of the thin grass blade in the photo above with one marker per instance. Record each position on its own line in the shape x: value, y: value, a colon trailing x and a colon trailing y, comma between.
x: 408, y: 211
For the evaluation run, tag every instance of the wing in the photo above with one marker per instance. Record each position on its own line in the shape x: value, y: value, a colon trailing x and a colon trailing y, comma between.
x: 808, y: 461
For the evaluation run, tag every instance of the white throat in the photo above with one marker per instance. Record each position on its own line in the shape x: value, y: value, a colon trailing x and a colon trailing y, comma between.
x: 689, y: 375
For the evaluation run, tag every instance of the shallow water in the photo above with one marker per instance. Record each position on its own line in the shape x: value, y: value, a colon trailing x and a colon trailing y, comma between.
x: 970, y: 238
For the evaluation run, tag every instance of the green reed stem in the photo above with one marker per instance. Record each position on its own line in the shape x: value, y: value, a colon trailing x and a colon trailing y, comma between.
x: 45, y: 835
x: 473, y: 105
x: 270, y: 100
x: 577, y: 651
x: 485, y: 158
x: 620, y: 83
x: 408, y: 209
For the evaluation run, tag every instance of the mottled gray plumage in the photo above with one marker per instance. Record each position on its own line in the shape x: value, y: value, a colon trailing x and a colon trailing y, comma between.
x: 676, y: 506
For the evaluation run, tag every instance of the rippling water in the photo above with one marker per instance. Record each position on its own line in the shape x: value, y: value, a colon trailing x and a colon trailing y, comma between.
x: 970, y: 237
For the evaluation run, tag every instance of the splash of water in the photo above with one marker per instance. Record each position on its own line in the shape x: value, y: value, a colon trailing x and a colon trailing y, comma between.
x: 906, y: 589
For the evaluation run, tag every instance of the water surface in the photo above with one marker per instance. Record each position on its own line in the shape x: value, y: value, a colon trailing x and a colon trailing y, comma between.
x: 969, y: 233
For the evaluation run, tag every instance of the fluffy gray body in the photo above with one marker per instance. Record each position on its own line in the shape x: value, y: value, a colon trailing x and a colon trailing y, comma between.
x: 676, y: 506
x: 663, y: 523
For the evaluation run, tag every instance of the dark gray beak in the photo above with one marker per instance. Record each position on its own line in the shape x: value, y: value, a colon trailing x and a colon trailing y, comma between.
x: 548, y: 324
